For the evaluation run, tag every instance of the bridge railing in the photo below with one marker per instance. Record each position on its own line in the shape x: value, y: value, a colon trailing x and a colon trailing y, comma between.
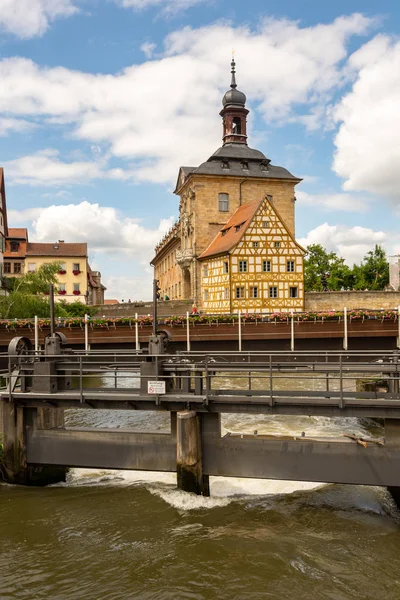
x: 234, y: 378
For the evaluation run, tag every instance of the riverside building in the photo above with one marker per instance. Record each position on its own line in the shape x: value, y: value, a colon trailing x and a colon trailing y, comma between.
x: 76, y: 280
x: 234, y: 245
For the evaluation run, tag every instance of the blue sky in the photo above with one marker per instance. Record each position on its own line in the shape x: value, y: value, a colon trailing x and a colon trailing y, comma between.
x: 101, y: 101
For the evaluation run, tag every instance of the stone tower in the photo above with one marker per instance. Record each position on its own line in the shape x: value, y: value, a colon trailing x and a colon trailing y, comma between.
x: 211, y: 193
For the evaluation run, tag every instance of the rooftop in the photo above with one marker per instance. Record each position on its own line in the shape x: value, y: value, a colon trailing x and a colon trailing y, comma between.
x: 233, y: 230
x: 57, y: 249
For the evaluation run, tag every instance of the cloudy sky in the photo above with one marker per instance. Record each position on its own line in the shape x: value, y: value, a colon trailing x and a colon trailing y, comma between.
x: 101, y: 101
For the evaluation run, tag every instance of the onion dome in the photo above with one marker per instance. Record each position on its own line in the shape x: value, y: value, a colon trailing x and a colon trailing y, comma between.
x: 234, y: 96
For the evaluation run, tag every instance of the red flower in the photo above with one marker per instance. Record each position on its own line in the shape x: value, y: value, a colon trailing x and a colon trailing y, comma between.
x: 62, y: 292
x: 62, y: 272
x: 77, y: 293
x: 76, y: 272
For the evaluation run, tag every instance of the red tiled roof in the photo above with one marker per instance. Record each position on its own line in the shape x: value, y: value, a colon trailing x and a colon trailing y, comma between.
x: 57, y: 249
x: 111, y: 301
x: 232, y: 232
x: 20, y: 233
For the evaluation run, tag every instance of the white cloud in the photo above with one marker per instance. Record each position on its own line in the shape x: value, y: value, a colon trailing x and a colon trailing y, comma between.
x: 14, y: 125
x: 168, y: 7
x: 125, y: 288
x: 45, y: 169
x: 333, y: 202
x: 164, y: 112
x: 31, y: 18
x: 101, y: 227
x: 17, y: 218
x: 351, y: 243
x: 367, y: 144
x: 148, y: 49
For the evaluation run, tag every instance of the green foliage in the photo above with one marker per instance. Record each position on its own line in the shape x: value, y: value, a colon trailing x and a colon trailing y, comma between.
x: 28, y: 296
x: 374, y: 270
x: 77, y: 309
x: 371, y: 274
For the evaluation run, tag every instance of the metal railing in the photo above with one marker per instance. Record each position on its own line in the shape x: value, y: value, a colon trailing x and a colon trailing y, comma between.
x: 272, y: 378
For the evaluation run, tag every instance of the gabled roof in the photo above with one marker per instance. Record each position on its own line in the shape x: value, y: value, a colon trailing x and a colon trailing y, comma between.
x: 58, y: 249
x: 18, y: 233
x: 233, y: 231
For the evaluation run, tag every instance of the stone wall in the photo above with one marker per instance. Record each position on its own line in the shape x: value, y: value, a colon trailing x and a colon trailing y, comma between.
x: 314, y: 301
x: 338, y: 300
x: 165, y: 309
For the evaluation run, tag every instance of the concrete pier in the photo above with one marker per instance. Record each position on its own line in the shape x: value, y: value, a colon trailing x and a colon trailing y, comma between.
x: 16, y: 423
x: 189, y: 463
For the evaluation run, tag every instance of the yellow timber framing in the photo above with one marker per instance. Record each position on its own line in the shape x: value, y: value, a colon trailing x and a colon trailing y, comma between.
x: 283, y: 276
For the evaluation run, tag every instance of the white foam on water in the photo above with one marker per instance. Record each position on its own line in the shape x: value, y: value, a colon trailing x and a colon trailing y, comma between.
x: 223, y: 490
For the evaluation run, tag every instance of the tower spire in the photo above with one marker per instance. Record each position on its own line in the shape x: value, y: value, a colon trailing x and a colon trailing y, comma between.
x: 233, y: 71
x: 234, y: 112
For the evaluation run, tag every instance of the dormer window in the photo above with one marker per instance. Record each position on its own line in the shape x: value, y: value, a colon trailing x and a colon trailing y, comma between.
x: 264, y: 166
x: 14, y: 246
x: 225, y: 163
x: 237, y: 227
x: 245, y: 165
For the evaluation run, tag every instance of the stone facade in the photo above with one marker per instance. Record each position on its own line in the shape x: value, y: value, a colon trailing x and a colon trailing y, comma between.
x: 320, y: 301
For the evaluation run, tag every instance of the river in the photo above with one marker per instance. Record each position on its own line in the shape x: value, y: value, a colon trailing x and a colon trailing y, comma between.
x: 121, y: 535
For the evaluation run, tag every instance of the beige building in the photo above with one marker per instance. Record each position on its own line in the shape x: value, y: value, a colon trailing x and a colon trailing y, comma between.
x: 210, y: 195
x: 76, y: 280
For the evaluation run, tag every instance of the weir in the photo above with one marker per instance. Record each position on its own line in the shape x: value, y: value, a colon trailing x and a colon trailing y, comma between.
x: 195, y: 389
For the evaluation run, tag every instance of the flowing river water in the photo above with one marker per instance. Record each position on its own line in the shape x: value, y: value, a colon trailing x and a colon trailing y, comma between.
x: 121, y: 535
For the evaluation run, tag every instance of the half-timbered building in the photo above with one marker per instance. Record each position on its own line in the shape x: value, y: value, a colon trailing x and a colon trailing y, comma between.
x: 253, y: 264
x: 232, y: 183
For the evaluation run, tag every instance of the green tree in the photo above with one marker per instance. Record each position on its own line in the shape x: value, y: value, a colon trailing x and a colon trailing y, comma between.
x: 77, y: 309
x: 319, y: 262
x: 28, y: 295
x: 373, y: 273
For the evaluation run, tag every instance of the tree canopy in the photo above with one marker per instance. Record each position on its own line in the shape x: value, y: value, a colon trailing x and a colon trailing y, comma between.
x: 372, y: 273
x: 28, y: 296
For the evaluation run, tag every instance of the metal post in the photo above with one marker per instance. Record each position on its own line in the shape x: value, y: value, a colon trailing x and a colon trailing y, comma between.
x: 52, y: 327
x: 291, y: 332
x: 137, y: 345
x: 240, y: 330
x: 187, y: 332
x: 345, y: 340
x: 398, y: 326
x: 36, y: 335
x: 155, y: 294
x: 341, y: 399
x: 86, y: 334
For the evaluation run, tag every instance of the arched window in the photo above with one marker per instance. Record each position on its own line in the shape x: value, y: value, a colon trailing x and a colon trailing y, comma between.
x: 237, y: 125
x: 223, y: 202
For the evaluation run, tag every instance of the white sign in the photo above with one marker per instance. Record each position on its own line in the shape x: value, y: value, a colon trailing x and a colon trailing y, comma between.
x: 156, y: 387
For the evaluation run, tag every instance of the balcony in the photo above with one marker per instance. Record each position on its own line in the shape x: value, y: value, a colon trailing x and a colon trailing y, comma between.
x: 184, y: 258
